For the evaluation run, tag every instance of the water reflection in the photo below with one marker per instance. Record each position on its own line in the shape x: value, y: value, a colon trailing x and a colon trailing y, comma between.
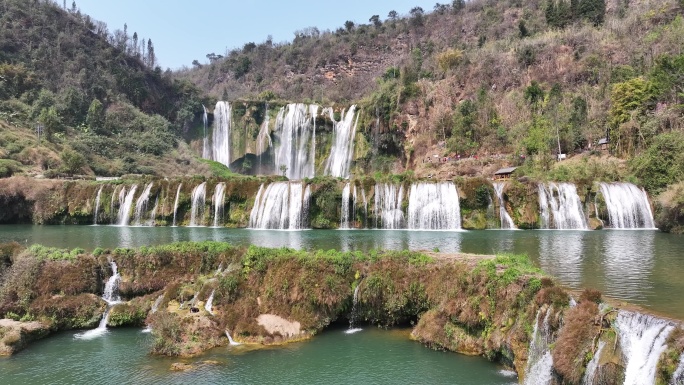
x: 628, y: 264
x: 560, y: 254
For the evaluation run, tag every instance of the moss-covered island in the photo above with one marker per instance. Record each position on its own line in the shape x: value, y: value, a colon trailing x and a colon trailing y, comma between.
x: 494, y: 306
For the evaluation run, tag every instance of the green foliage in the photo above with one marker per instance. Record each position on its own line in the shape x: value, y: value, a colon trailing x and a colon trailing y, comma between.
x: 72, y: 162
x: 53, y: 253
x: 662, y: 163
x: 96, y: 116
x: 9, y: 167
x: 449, y: 59
x: 219, y: 170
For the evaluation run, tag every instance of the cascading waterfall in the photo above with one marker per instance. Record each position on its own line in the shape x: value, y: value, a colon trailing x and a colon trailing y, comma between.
x: 352, y: 316
x: 111, y: 204
x: 157, y: 302
x: 296, y: 146
x: 206, y: 154
x: 348, y: 206
x: 342, y: 151
x: 230, y: 340
x: 388, y: 198
x: 220, y: 138
x: 111, y: 296
x: 506, y: 220
x: 539, y: 361
x: 264, y: 142
x: 590, y: 372
x: 642, y: 339
x: 561, y: 207
x: 175, y: 203
x: 281, y: 205
x: 198, y: 200
x: 678, y: 375
x: 217, y: 201
x: 627, y: 206
x: 365, y: 208
x: 141, y: 204
x: 210, y: 301
x: 434, y: 206
x: 125, y: 205
x: 97, y: 204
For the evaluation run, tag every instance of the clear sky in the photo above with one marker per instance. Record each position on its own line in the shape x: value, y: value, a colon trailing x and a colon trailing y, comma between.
x: 183, y: 31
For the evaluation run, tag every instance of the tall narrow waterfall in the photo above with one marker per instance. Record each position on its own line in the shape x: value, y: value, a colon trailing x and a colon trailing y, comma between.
x: 296, y: 147
x: 434, y: 206
x: 561, y: 207
x: 141, y: 204
x: 111, y: 296
x: 642, y: 339
x: 220, y: 138
x: 281, y: 205
x: 590, y: 372
x: 209, y: 303
x: 97, y: 204
x: 206, y: 153
x: 506, y: 220
x: 175, y: 203
x: 264, y: 142
x: 627, y: 206
x: 365, y: 208
x: 125, y: 206
x: 539, y: 361
x: 387, y: 209
x: 198, y: 200
x: 342, y: 150
x: 348, y: 209
x: 217, y: 202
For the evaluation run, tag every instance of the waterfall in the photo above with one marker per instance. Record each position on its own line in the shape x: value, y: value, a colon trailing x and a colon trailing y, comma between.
x: 590, y: 372
x: 153, y: 213
x: 141, y: 203
x: 210, y: 301
x: 205, y: 141
x: 217, y: 201
x: 678, y: 376
x: 296, y: 146
x: 348, y: 200
x: 627, y: 206
x: 387, y: 208
x: 281, y: 205
x: 97, y: 204
x: 264, y: 142
x: 506, y: 220
x: 197, y: 209
x: 642, y: 339
x: 539, y: 360
x: 365, y: 208
x: 175, y: 203
x: 342, y: 150
x: 157, y: 302
x: 220, y: 139
x: 434, y: 206
x: 111, y: 204
x: 125, y: 205
x: 111, y: 296
x: 561, y: 207
x: 230, y: 340
x: 352, y: 316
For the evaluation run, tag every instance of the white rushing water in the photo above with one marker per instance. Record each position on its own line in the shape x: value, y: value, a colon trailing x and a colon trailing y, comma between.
x: 97, y: 204
x: 434, y: 206
x: 206, y: 153
x: 281, y: 205
x: 217, y: 201
x: 111, y: 296
x: 342, y: 150
x: 230, y: 340
x: 141, y: 204
x: 209, y: 303
x: 175, y: 203
x: 590, y: 372
x: 627, y: 206
x: 561, y: 207
x: 264, y: 142
x: 642, y: 339
x: 352, y: 317
x: 539, y: 361
x: 198, y: 197
x: 295, y: 149
x: 387, y: 206
x: 506, y: 220
x: 220, y: 138
x: 348, y: 206
x: 678, y: 375
x: 125, y: 205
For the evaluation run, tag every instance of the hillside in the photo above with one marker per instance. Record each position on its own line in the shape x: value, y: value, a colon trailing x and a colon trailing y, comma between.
x: 100, y: 102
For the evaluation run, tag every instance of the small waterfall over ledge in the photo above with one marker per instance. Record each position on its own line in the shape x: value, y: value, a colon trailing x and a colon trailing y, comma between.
x: 217, y: 202
x: 561, y: 207
x: 342, y: 150
x: 125, y: 205
x: 111, y: 296
x: 434, y: 206
x: 175, y: 203
x: 506, y: 220
x: 198, y: 200
x: 97, y: 204
x: 348, y: 209
x: 220, y: 138
x: 539, y: 360
x: 209, y: 303
x: 642, y: 339
x: 354, y: 310
x: 206, y: 154
x: 387, y: 208
x: 281, y: 206
x: 627, y: 206
x: 295, y: 130
x: 141, y: 204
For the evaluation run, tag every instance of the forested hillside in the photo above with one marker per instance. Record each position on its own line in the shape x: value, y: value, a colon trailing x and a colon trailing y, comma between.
x: 96, y: 97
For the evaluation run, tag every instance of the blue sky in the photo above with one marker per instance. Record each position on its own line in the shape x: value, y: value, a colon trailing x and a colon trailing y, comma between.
x: 182, y: 31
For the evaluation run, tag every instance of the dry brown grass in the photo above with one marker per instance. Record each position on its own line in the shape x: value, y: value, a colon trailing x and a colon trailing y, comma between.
x: 575, y: 341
